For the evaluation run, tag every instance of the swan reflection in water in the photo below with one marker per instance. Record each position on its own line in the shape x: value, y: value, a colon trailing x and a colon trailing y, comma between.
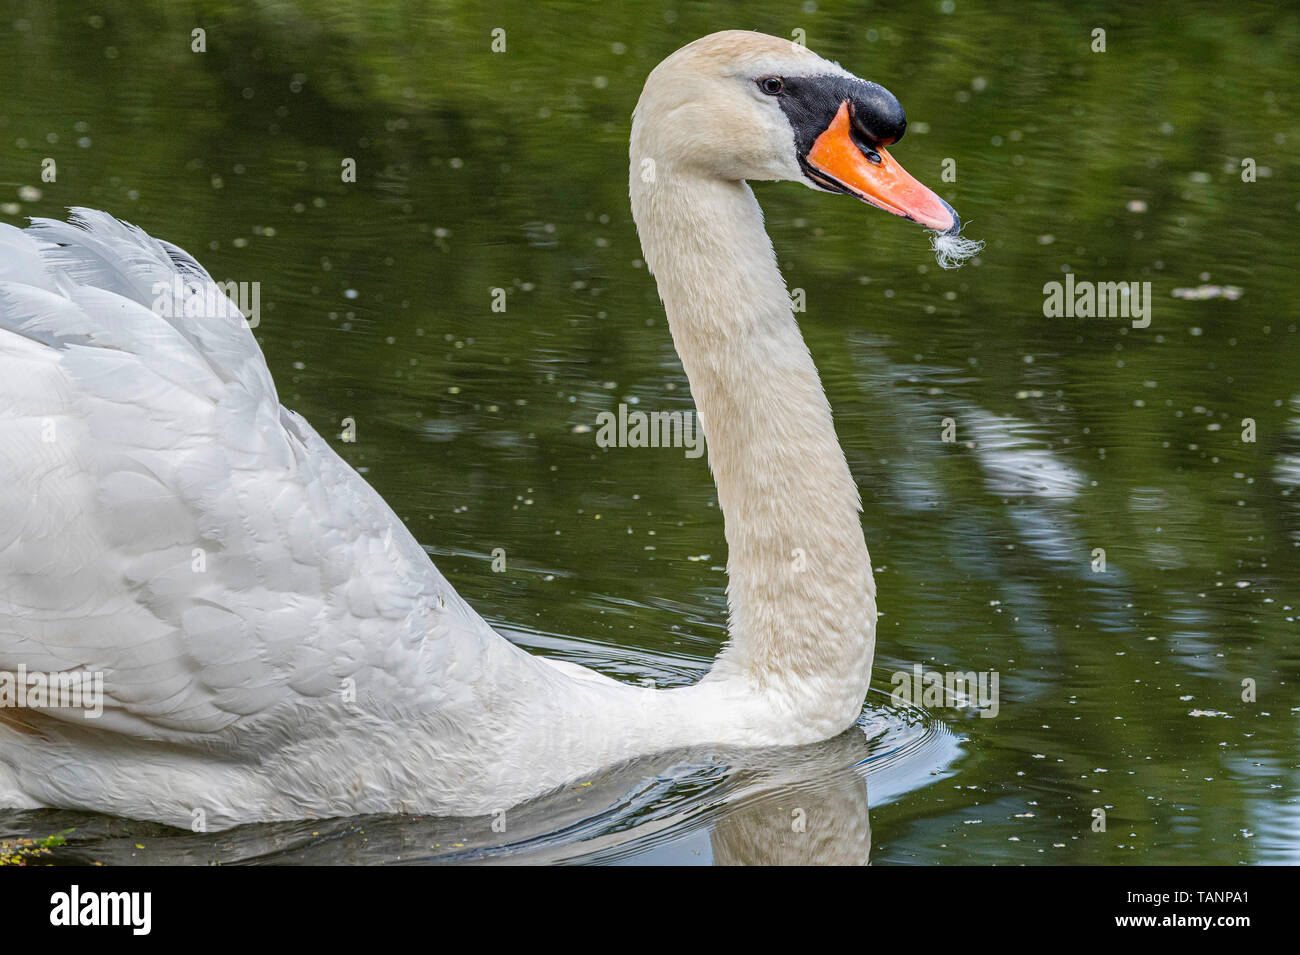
x: 822, y: 819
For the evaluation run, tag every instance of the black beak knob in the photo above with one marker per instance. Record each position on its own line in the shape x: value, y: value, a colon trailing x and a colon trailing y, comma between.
x: 876, y: 113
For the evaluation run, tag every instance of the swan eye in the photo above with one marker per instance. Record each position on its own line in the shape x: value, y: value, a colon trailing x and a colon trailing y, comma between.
x: 772, y: 85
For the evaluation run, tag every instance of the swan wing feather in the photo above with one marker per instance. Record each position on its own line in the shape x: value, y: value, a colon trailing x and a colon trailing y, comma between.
x: 167, y: 524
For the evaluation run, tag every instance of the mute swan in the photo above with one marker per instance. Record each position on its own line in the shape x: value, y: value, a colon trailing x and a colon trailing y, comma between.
x: 274, y: 644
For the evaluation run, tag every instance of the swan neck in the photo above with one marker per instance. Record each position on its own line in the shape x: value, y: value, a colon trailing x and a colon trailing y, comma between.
x: 800, y: 594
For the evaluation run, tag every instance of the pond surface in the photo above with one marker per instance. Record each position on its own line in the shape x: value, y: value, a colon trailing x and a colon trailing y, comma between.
x: 1114, y: 531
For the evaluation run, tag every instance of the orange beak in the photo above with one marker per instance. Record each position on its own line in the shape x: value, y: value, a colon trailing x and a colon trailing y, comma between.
x: 884, y: 184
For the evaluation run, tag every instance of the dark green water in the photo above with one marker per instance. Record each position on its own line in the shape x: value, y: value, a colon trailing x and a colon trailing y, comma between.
x: 1120, y: 689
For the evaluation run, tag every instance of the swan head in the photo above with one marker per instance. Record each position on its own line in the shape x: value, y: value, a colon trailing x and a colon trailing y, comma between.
x: 745, y: 106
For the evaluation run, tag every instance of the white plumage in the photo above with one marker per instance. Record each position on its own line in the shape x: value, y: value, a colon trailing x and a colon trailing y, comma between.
x: 272, y: 641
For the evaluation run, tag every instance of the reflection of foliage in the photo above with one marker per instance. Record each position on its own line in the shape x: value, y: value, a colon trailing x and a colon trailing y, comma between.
x: 480, y: 171
x: 28, y: 851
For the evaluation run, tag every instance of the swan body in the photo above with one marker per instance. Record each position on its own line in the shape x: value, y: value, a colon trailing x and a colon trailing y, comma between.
x: 272, y: 641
